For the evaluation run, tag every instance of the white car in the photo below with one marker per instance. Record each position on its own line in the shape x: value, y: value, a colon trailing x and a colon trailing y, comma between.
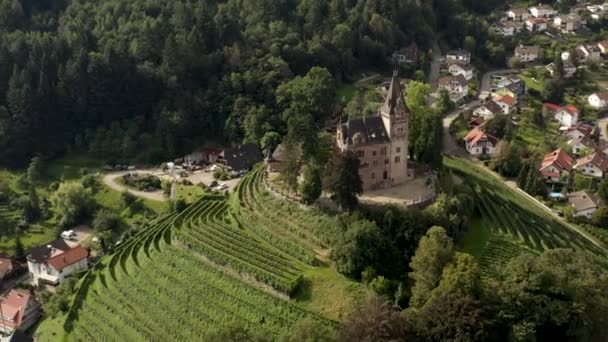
x: 68, y: 234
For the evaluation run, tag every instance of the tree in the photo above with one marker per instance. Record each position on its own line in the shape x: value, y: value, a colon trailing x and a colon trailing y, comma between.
x: 600, y: 217
x: 538, y: 119
x: 356, y: 107
x: 291, y: 164
x: 343, y: 180
x: 19, y: 249
x: 269, y: 142
x: 376, y: 321
x: 311, y: 187
x: 602, y: 190
x: 559, y: 294
x: 106, y: 220
x: 73, y: 203
x: 434, y: 252
x: 444, y: 104
x: 34, y: 170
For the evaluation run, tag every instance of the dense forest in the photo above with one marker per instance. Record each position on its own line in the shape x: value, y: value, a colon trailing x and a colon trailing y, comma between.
x: 144, y: 80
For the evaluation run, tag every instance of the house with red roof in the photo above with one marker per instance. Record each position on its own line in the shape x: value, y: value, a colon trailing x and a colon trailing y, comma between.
x: 579, y: 131
x: 567, y: 116
x: 480, y: 143
x: 556, y: 165
x: 594, y: 165
x: 506, y: 103
x: 19, y: 312
x: 52, y: 263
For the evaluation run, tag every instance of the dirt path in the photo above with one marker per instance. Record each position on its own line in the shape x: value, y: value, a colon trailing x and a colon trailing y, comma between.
x: 110, y: 180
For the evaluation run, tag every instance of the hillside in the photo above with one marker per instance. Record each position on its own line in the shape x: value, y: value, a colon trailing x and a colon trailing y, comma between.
x: 222, y: 261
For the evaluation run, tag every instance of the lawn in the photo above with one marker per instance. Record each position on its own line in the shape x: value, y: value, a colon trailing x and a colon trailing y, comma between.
x: 345, y: 92
x: 537, y: 84
x: 69, y: 167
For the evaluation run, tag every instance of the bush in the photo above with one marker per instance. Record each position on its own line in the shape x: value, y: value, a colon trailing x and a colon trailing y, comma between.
x: 142, y: 182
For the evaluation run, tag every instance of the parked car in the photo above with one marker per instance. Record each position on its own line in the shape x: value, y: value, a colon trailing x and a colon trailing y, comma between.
x: 68, y: 235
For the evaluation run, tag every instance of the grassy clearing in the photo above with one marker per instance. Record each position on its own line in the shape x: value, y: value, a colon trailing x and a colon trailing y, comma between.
x: 537, y: 84
x: 345, y: 92
x: 188, y: 193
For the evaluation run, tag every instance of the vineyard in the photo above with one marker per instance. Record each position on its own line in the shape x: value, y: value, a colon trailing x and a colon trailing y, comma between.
x: 224, y: 260
x: 517, y: 223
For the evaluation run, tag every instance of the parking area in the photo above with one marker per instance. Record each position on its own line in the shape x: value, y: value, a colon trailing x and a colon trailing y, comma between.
x: 206, y: 178
x: 82, y: 233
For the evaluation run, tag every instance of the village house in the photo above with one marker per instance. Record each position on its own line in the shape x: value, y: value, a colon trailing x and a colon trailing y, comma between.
x: 202, y: 155
x: 456, y: 86
x: 380, y: 141
x: 569, y: 68
x: 583, y: 203
x: 567, y: 116
x: 569, y: 22
x: 488, y: 110
x: 542, y: 11
x: 556, y: 165
x: 54, y: 262
x: 407, y: 55
x: 505, y: 102
x: 527, y: 53
x: 594, y: 165
x: 580, y: 145
x: 536, y: 24
x: 508, y: 28
x: 19, y: 312
x: 466, y: 70
x: 475, y: 122
x: 518, y: 14
x: 458, y: 56
x: 603, y: 46
x: 599, y: 100
x: 480, y: 143
x: 579, y: 131
x: 277, y: 158
x: 587, y: 53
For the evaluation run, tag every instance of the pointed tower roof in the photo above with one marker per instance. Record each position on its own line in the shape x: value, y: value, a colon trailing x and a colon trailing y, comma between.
x: 394, y: 102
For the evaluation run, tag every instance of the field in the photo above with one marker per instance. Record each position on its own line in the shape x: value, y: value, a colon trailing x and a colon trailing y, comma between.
x: 224, y: 260
x: 511, y: 223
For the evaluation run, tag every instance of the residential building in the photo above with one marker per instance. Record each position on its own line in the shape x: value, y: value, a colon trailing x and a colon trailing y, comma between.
x: 579, y: 131
x: 512, y: 86
x: 518, y: 13
x: 597, y: 8
x: 599, y: 100
x: 569, y: 68
x: 508, y: 28
x: 536, y: 24
x: 475, y: 122
x: 556, y: 165
x: 480, y: 143
x: 380, y: 141
x: 488, y: 110
x: 527, y: 53
x: 542, y: 11
x: 19, y: 312
x: 594, y: 165
x: 457, y: 86
x: 466, y: 70
x: 587, y: 53
x: 276, y: 159
x: 240, y: 159
x: 569, y: 22
x: 52, y: 263
x: 202, y: 155
x: 505, y: 102
x: 407, y: 55
x: 603, y: 46
x: 584, y: 204
x: 580, y: 145
x: 6, y: 265
x: 461, y: 56
x: 567, y: 116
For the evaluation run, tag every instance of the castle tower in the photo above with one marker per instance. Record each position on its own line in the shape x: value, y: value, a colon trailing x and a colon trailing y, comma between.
x: 395, y: 116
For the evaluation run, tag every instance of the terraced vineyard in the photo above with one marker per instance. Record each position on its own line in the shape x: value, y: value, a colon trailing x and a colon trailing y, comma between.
x: 7, y: 214
x: 518, y: 224
x: 221, y: 261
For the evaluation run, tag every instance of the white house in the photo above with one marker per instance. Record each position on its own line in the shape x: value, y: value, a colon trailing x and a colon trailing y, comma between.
x: 588, y: 53
x: 599, y: 100
x: 461, y: 56
x: 508, y: 28
x: 518, y: 14
x: 594, y: 165
x: 542, y: 11
x: 580, y: 131
x: 579, y: 145
x: 52, y: 263
x: 584, y: 204
x: 488, y: 110
x: 527, y: 53
x: 536, y: 24
x: 567, y: 116
x: 505, y: 102
x: 466, y: 70
x: 19, y: 312
x: 569, y: 69
x: 479, y: 143
x: 456, y: 86
x: 556, y: 165
x: 569, y: 23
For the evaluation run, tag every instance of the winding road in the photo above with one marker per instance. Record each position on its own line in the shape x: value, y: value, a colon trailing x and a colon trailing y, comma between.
x: 110, y: 180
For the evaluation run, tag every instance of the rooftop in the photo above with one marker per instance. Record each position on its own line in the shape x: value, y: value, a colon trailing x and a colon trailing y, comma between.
x: 559, y: 159
x: 13, y: 307
x: 581, y: 200
x: 68, y: 258
x: 597, y: 159
x: 477, y: 135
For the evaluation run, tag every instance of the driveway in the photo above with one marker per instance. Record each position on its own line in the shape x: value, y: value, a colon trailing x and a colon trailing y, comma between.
x: 110, y: 180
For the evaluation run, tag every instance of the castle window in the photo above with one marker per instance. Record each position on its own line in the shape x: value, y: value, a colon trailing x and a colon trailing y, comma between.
x: 386, y: 161
x: 397, y: 160
x: 360, y: 153
x: 373, y: 153
x: 375, y: 163
x: 373, y: 175
x: 398, y: 149
x: 383, y: 151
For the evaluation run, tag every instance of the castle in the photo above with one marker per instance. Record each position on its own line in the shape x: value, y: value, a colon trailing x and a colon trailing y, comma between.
x: 380, y: 142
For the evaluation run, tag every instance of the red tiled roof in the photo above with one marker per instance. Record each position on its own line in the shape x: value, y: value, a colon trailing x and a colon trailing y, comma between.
x: 582, y: 127
x: 476, y: 135
x: 552, y: 106
x: 68, y: 258
x: 559, y: 159
x: 507, y: 99
x: 477, y: 121
x: 603, y: 95
x: 571, y: 109
x: 13, y: 307
x: 535, y: 21
x: 597, y: 158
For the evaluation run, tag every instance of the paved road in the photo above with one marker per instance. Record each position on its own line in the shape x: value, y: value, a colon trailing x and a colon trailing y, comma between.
x: 110, y: 180
x: 450, y: 145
